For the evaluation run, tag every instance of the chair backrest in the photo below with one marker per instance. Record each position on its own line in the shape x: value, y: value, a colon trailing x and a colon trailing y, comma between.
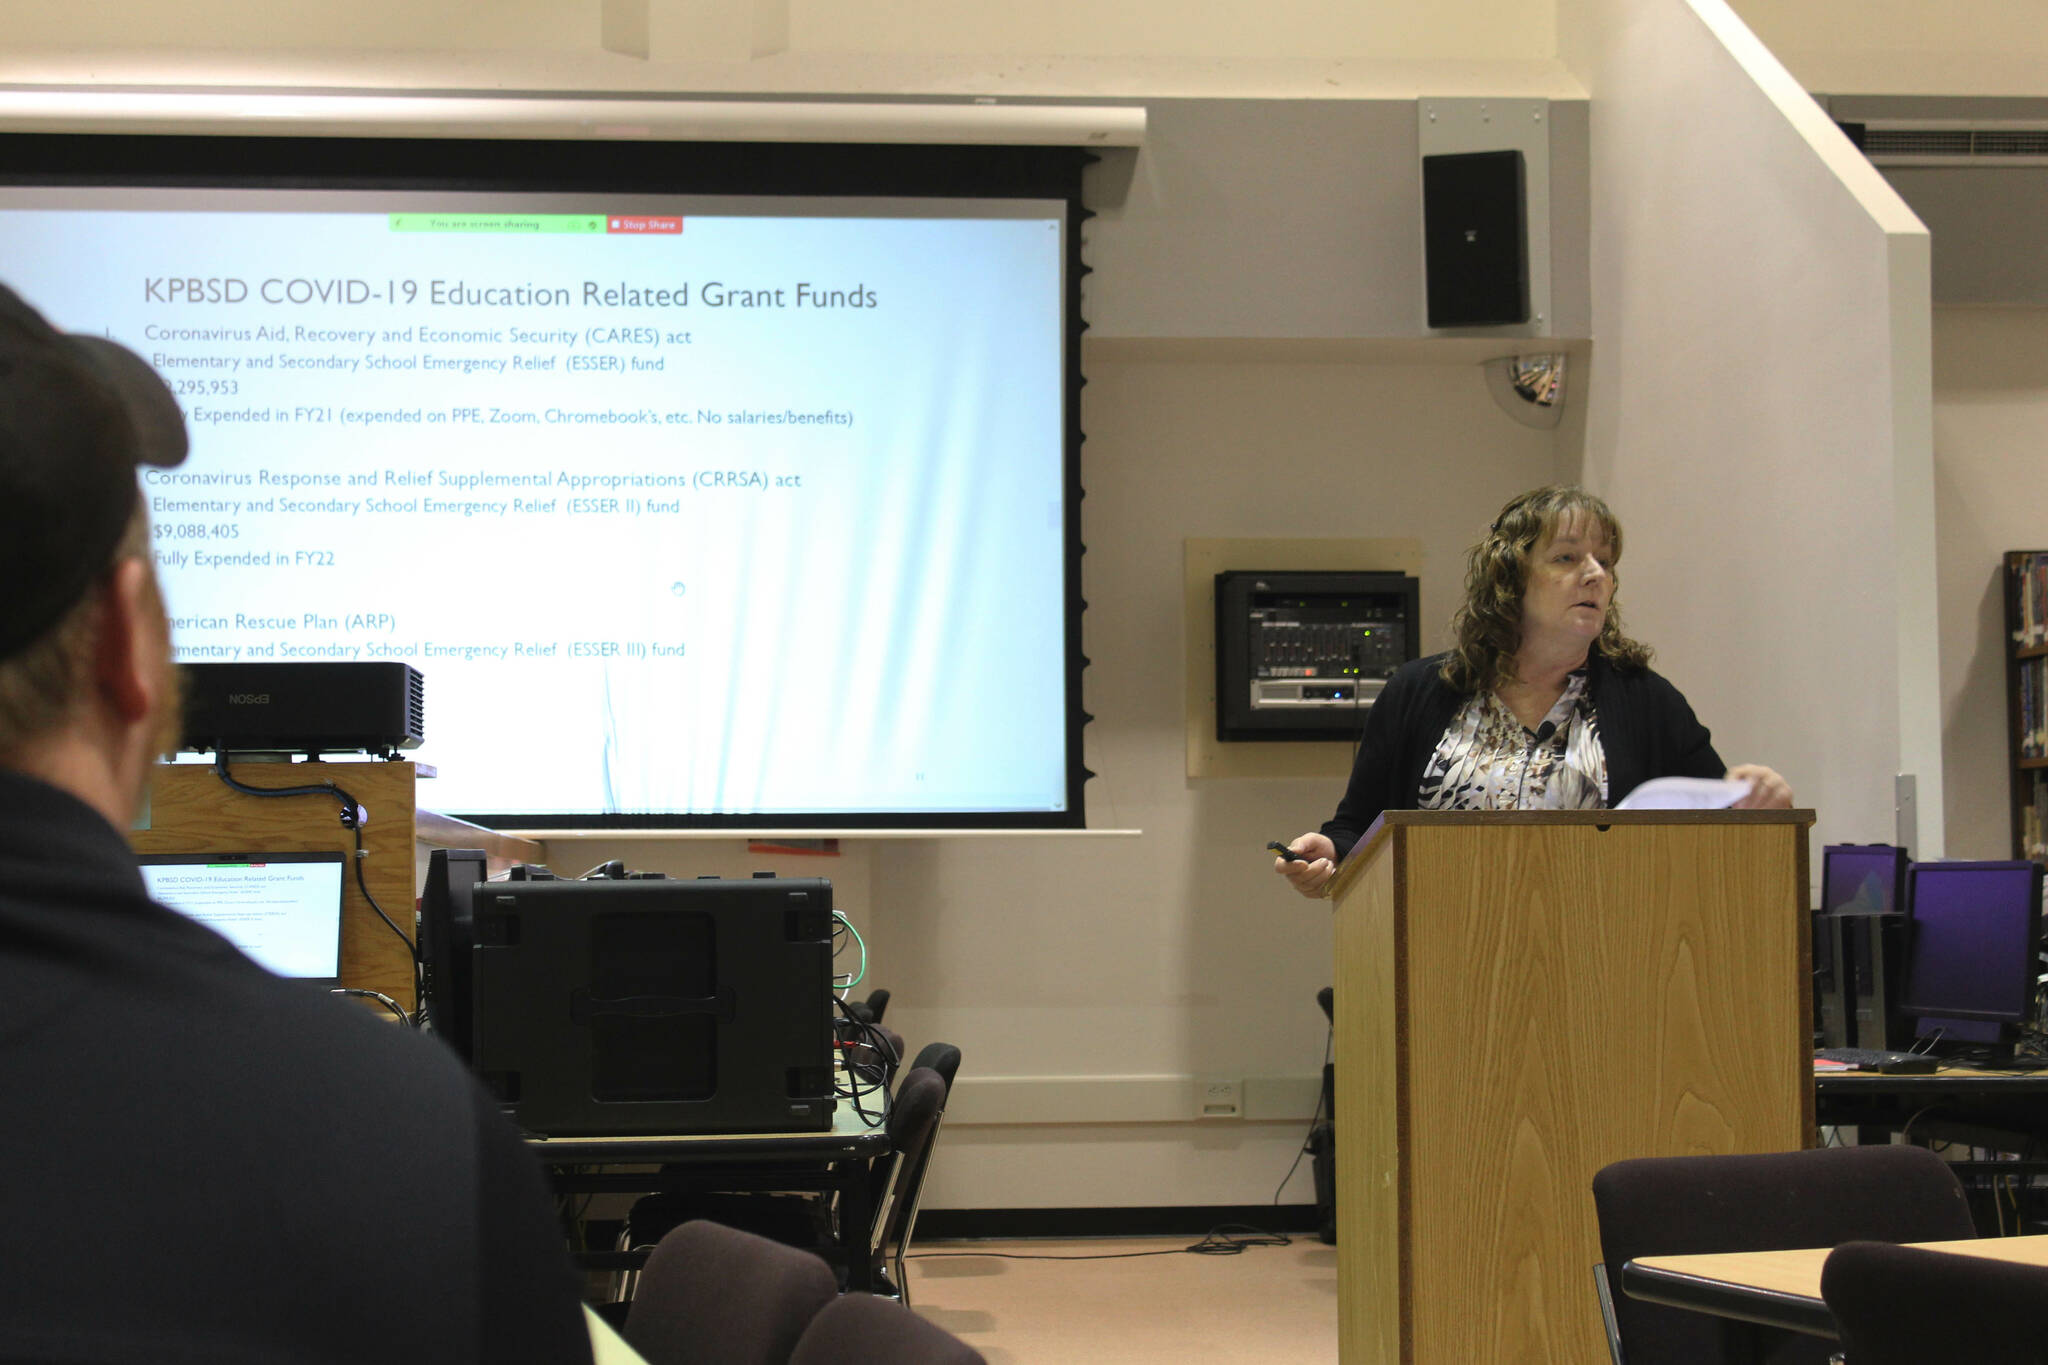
x: 1900, y: 1304
x: 714, y: 1294
x: 860, y: 1329
x: 943, y: 1058
x: 1674, y: 1206
x: 913, y: 1113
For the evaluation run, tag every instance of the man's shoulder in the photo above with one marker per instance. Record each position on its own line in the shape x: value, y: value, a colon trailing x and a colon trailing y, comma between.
x: 374, y: 1049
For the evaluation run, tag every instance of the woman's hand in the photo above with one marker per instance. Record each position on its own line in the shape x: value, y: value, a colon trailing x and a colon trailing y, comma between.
x: 1767, y: 790
x: 1318, y: 865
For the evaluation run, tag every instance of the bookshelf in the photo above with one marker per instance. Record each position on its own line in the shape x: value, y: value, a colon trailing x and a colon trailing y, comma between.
x: 2026, y: 691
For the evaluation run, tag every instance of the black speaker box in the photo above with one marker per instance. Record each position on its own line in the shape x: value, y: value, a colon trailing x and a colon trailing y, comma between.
x: 655, y: 1006
x: 1475, y: 239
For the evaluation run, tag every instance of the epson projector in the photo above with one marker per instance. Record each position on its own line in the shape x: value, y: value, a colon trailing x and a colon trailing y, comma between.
x: 308, y: 708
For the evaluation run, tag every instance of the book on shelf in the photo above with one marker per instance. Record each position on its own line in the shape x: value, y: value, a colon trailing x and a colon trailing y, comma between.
x: 2033, y: 741
x: 2030, y: 581
x: 2034, y: 820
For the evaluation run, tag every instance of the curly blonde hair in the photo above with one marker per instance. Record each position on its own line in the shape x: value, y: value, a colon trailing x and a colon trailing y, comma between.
x: 1488, y: 625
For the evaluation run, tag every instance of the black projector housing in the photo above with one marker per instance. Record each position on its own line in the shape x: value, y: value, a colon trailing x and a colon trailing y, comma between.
x: 310, y: 708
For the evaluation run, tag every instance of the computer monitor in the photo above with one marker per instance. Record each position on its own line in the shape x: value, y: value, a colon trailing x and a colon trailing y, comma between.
x: 1861, y: 879
x: 447, y: 937
x: 1857, y: 979
x: 283, y: 910
x: 1973, y: 963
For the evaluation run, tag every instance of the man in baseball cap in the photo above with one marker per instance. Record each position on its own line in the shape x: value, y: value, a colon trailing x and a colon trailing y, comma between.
x: 210, y: 1163
x: 77, y: 415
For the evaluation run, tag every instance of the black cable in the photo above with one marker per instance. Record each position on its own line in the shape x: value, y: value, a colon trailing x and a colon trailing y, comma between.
x: 351, y: 818
x: 410, y: 947
x: 386, y: 1001
x: 1329, y: 1041
x: 867, y: 1078
x: 1220, y: 1240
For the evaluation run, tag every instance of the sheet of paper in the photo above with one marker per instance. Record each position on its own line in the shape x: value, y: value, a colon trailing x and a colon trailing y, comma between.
x: 1685, y: 793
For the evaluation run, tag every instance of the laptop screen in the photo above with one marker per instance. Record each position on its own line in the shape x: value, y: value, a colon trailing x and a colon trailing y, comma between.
x: 281, y: 909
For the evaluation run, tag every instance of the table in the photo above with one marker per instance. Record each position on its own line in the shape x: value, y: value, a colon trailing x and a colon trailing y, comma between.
x: 834, y: 1160
x: 606, y: 1346
x: 1954, y: 1099
x: 1780, y: 1288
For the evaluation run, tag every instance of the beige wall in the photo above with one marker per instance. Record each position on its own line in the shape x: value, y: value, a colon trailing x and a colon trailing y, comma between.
x: 255, y: 25
x: 1990, y: 452
x: 1389, y: 30
x: 1906, y: 47
x: 1477, y: 30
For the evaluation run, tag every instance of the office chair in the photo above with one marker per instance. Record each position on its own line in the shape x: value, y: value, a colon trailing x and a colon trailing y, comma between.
x: 943, y: 1058
x: 899, y: 1225
x: 896, y: 1180
x: 712, y: 1295
x: 801, y: 1220
x: 1904, y: 1306
x: 1673, y: 1206
x: 860, y: 1329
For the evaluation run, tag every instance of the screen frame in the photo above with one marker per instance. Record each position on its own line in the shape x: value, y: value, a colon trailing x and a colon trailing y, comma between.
x: 2030, y: 959
x: 499, y: 165
x: 1832, y: 856
x: 334, y: 857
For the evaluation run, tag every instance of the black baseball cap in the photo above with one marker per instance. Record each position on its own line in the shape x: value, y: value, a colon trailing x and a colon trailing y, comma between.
x: 77, y: 415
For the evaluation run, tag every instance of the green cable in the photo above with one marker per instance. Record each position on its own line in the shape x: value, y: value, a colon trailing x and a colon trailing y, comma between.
x: 862, y: 975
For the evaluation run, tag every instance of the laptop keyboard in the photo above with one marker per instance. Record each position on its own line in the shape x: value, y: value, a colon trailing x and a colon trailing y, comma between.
x: 1877, y: 1059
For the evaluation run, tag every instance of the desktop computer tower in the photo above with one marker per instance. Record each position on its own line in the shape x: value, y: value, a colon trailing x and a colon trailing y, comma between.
x: 654, y: 1006
x: 1860, y: 960
x: 1874, y: 960
x: 1834, y: 1008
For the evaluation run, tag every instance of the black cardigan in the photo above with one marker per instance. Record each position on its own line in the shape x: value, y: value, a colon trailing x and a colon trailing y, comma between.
x: 1646, y: 728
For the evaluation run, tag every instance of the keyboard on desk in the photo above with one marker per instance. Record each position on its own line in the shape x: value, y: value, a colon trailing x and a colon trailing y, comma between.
x: 1877, y: 1059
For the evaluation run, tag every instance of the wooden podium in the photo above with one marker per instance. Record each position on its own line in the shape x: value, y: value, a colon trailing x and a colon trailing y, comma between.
x: 1521, y: 998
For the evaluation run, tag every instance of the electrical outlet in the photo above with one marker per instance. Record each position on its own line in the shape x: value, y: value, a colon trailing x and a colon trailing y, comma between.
x: 1219, y: 1098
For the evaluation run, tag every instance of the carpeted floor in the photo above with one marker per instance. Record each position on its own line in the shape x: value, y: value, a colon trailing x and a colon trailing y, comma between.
x: 1266, y: 1304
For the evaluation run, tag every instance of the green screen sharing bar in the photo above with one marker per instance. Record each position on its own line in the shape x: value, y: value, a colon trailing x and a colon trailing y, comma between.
x: 498, y: 222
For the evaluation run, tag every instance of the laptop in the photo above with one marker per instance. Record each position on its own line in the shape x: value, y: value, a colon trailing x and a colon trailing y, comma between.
x: 283, y: 910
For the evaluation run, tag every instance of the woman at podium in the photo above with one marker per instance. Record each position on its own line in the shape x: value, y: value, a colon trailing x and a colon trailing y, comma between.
x: 1542, y: 703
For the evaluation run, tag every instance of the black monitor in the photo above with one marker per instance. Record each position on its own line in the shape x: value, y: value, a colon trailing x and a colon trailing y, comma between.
x: 447, y: 933
x: 1862, y: 879
x: 1973, y: 965
x: 1861, y: 915
x: 283, y: 910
